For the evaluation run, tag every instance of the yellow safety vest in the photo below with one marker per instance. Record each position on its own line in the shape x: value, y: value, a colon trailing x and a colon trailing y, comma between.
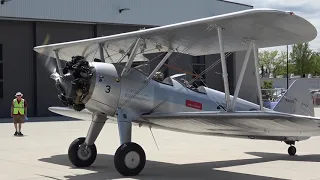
x: 18, y: 107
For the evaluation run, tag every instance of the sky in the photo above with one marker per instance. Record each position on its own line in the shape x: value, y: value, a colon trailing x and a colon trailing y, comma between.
x: 308, y: 9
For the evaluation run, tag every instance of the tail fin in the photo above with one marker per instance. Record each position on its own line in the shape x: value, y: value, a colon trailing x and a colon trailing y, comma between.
x: 297, y: 100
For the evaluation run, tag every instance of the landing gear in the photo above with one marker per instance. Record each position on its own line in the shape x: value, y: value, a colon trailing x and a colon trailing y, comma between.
x: 129, y: 159
x: 80, y: 154
x: 292, y: 150
x: 82, y: 151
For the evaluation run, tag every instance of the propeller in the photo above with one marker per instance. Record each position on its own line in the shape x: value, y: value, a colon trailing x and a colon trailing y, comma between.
x: 49, y: 63
x: 50, y: 66
x: 74, y: 82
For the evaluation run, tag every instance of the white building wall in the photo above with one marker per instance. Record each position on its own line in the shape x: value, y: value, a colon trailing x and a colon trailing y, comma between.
x: 144, y: 12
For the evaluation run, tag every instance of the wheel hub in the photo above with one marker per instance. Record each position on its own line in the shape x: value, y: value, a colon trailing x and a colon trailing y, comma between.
x: 84, y: 153
x: 132, y: 159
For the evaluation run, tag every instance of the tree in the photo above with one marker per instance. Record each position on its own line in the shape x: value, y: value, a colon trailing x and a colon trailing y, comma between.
x: 274, y: 62
x: 266, y: 95
x: 266, y: 61
x: 315, y: 64
x: 302, y: 57
x: 279, y: 65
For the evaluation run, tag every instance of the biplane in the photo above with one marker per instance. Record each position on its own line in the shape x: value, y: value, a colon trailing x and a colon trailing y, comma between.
x: 96, y: 80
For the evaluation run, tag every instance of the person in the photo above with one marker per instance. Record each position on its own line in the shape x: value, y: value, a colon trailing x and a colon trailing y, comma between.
x: 186, y: 83
x: 18, y: 112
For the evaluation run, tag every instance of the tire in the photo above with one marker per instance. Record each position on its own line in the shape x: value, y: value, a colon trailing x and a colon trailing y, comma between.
x: 73, y: 154
x: 124, y: 153
x: 292, y: 150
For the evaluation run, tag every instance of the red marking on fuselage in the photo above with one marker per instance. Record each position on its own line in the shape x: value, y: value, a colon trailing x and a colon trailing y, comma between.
x: 193, y: 104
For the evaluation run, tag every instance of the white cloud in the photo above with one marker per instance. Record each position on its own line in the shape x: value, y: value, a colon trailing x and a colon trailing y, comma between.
x: 308, y: 9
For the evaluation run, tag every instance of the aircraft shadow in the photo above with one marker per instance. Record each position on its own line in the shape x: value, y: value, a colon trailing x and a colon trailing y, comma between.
x: 103, y: 167
x: 286, y: 157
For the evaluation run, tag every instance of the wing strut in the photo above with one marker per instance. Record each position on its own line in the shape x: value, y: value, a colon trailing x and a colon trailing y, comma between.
x: 224, y: 69
x: 243, y: 70
x: 131, y: 57
x: 58, y: 62
x: 101, y: 52
x: 159, y: 65
x: 256, y: 61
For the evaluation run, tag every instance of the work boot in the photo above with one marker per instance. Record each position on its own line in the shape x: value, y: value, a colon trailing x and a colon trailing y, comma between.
x: 16, y: 133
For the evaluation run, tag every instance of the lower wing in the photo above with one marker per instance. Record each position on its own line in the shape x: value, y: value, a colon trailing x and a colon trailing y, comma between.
x: 258, y: 123
x: 68, y: 112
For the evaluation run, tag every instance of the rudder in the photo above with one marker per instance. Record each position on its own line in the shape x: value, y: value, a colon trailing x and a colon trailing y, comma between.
x: 297, y: 100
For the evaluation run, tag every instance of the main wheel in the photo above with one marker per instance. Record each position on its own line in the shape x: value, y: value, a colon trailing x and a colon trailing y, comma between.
x: 129, y: 159
x: 292, y: 150
x: 81, y: 156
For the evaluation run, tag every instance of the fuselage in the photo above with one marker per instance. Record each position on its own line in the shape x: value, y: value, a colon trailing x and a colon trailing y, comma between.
x: 144, y: 97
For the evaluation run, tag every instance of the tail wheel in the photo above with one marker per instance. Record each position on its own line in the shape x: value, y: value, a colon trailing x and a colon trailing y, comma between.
x: 292, y: 150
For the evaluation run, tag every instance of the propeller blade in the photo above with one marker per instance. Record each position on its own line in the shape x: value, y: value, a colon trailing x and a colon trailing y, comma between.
x: 48, y: 63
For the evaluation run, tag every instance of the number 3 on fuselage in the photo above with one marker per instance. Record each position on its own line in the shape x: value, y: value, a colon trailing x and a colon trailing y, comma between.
x: 108, y: 89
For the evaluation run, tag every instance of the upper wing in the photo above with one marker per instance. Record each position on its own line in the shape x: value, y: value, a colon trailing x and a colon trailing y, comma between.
x: 197, y: 37
x: 259, y: 123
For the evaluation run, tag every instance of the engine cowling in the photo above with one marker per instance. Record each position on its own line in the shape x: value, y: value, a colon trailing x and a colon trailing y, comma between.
x: 104, y: 93
x: 94, y: 86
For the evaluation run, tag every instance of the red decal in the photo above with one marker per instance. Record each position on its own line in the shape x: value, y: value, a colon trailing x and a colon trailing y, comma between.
x: 194, y: 104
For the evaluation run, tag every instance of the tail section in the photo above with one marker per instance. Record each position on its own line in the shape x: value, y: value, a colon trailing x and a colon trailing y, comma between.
x: 297, y: 100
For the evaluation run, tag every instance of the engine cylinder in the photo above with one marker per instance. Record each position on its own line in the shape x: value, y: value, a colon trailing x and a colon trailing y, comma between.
x: 74, y: 85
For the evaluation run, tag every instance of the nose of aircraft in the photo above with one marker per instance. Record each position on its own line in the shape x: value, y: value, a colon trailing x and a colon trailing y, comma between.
x: 74, y: 84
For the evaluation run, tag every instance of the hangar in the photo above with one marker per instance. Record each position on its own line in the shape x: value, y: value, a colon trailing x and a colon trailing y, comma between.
x: 26, y: 24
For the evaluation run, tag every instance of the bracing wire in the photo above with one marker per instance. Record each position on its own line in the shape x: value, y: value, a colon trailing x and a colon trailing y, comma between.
x: 180, y: 89
x: 210, y: 27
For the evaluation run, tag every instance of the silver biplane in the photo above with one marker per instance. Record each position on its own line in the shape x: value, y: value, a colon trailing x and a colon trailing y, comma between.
x: 96, y: 80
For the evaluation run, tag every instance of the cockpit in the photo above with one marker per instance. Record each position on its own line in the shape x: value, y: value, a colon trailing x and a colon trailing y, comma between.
x: 180, y: 78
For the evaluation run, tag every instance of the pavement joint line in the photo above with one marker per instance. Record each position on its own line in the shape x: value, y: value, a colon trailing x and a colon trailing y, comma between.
x: 36, y: 178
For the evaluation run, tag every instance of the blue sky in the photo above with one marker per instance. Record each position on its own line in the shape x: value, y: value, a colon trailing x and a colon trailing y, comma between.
x: 308, y: 9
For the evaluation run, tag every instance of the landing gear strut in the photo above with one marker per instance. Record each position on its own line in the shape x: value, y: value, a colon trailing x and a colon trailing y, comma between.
x: 291, y: 150
x: 82, y: 151
x: 129, y: 158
